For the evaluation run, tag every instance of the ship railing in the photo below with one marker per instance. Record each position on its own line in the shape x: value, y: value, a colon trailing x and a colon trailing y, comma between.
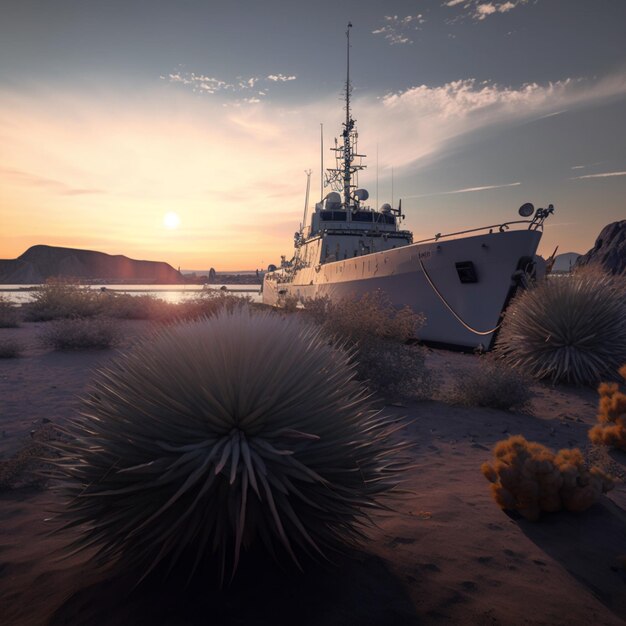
x: 532, y: 225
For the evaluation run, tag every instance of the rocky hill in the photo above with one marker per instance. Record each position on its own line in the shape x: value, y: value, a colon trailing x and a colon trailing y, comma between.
x: 609, y: 249
x: 41, y: 262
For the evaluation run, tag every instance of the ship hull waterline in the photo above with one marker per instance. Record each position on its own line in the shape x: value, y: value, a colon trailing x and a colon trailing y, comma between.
x: 399, y: 273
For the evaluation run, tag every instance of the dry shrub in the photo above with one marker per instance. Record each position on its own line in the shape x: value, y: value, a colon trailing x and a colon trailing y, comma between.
x: 60, y: 298
x: 223, y: 434
x: 377, y: 331
x: 26, y: 468
x: 358, y: 320
x: 130, y: 307
x: 10, y: 348
x: 395, y: 370
x: 9, y: 314
x: 80, y: 334
x: 209, y: 303
x: 529, y: 478
x: 491, y: 384
x: 611, y: 430
x: 568, y: 329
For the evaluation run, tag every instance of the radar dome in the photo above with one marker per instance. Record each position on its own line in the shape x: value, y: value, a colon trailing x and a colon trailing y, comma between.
x: 386, y: 208
x: 332, y: 201
x: 361, y: 195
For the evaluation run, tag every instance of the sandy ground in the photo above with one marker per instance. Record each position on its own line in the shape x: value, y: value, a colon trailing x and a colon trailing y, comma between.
x: 449, y: 554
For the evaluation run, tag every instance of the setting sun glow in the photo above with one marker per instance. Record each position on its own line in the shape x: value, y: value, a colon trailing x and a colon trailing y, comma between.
x: 171, y: 220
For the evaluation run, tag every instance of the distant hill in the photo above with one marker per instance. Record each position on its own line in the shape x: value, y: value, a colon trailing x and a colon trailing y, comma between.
x: 565, y: 262
x: 41, y: 262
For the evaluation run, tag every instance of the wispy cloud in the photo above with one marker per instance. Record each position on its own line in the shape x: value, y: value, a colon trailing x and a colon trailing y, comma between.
x: 480, y: 10
x: 427, y: 119
x: 466, y: 190
x: 51, y: 185
x: 201, y: 83
x: 398, y: 30
x: 281, y: 78
x: 601, y: 175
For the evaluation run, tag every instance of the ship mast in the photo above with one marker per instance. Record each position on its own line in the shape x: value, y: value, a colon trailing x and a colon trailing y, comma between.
x: 340, y: 177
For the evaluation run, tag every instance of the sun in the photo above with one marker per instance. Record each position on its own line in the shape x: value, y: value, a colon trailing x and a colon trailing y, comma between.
x: 171, y: 220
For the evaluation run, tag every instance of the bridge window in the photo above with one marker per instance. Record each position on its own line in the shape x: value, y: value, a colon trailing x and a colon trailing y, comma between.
x: 333, y: 216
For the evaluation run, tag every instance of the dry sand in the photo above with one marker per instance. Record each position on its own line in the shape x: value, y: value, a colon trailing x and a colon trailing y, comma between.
x: 449, y: 555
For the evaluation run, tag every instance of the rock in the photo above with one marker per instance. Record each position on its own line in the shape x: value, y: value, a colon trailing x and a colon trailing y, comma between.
x: 609, y: 250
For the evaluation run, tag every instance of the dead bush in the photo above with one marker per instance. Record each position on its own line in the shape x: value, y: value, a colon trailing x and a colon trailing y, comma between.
x: 62, y: 298
x: 491, y: 384
x: 395, y: 370
x: 10, y: 348
x: 80, y: 334
x: 9, y: 314
x: 358, y: 320
x: 611, y: 429
x: 529, y: 478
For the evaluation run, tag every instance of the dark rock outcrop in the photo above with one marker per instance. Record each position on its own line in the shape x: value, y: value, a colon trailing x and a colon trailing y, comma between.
x: 41, y: 262
x: 609, y: 250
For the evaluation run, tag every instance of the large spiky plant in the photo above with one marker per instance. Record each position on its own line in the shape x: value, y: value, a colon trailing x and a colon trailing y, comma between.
x: 570, y: 329
x: 222, y: 433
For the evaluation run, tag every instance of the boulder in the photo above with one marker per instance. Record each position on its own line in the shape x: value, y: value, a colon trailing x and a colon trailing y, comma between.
x: 609, y: 250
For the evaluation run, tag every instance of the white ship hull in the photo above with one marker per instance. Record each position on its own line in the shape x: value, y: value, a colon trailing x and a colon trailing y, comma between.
x: 400, y: 274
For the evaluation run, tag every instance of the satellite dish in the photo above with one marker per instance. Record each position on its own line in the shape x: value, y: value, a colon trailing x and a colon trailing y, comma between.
x: 361, y: 195
x: 526, y: 210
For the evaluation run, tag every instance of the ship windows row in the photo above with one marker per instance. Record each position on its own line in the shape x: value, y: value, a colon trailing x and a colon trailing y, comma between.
x: 357, y: 216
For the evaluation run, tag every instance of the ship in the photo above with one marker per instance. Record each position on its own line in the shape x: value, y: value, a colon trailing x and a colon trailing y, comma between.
x: 460, y: 281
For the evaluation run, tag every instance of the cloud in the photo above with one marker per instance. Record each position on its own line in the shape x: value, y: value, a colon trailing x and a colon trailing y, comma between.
x: 281, y: 78
x: 480, y: 10
x: 203, y: 84
x: 421, y: 121
x: 50, y: 185
x: 466, y: 190
x: 396, y: 29
x: 602, y: 175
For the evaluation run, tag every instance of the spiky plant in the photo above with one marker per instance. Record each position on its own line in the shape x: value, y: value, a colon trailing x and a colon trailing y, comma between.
x: 568, y: 329
x: 223, y: 433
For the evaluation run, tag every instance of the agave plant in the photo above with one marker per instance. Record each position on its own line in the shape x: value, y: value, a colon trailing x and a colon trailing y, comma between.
x: 570, y: 329
x: 223, y: 433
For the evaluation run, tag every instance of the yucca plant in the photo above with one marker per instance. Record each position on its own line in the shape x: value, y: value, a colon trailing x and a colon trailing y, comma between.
x: 568, y: 329
x: 224, y: 433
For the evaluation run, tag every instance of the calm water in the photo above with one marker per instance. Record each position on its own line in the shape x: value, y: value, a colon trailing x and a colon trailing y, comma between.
x: 19, y: 294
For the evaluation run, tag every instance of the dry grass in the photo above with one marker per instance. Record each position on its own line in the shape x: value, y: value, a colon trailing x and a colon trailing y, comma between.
x: 529, y: 478
x: 80, y: 334
x: 61, y: 299
x: 491, y: 384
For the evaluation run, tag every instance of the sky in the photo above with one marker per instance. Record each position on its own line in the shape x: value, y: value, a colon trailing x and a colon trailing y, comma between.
x: 181, y: 131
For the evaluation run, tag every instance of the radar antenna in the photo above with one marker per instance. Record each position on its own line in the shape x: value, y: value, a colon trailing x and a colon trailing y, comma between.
x: 348, y: 161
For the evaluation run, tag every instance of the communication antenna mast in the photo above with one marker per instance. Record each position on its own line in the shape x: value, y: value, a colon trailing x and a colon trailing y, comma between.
x: 346, y: 154
x: 306, y: 198
x: 321, y: 162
